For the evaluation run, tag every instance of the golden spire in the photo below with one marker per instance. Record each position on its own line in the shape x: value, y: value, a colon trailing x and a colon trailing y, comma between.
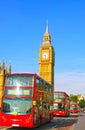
x: 46, y: 32
x: 9, y: 69
x: 47, y: 37
x: 2, y: 65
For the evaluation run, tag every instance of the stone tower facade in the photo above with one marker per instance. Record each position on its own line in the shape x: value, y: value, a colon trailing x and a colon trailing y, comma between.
x: 3, y: 73
x: 47, y: 58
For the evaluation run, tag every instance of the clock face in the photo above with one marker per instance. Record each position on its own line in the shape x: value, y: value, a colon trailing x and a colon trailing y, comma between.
x: 45, y: 55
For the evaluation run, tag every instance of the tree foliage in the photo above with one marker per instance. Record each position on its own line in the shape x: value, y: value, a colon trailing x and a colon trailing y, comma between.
x: 82, y: 103
x: 74, y: 98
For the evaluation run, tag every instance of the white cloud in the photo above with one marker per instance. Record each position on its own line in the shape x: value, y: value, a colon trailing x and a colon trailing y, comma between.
x: 70, y: 82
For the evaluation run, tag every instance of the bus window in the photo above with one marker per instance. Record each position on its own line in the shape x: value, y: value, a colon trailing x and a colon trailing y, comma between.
x: 44, y: 105
x: 19, y: 80
x: 11, y: 106
x: 37, y: 82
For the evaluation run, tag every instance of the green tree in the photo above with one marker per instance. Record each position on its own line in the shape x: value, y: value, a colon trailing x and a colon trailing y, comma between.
x: 82, y: 103
x: 74, y: 98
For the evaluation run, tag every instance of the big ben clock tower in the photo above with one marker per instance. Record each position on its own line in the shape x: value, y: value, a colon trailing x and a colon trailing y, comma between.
x: 46, y: 58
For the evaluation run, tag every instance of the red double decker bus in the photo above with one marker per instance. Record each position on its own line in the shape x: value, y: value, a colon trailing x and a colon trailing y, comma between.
x: 74, y: 107
x: 61, y: 104
x: 27, y: 101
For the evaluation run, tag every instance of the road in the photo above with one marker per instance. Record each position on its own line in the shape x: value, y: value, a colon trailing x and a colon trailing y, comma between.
x: 74, y: 122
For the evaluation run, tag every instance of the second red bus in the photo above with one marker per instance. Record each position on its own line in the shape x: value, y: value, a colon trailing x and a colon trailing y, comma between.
x: 61, y: 104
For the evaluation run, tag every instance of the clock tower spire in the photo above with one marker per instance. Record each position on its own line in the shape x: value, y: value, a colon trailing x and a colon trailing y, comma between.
x: 46, y: 58
x: 47, y: 37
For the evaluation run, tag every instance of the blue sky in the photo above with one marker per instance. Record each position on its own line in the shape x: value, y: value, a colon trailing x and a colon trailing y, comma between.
x: 22, y: 27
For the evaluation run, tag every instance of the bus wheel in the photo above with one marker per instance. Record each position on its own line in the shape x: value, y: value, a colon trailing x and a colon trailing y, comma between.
x: 50, y: 117
x: 39, y: 121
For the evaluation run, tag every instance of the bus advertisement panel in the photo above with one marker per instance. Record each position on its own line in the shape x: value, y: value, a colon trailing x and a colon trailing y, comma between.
x: 61, y: 104
x: 27, y: 101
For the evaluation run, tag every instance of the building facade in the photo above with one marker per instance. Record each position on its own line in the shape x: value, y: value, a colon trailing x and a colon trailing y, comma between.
x: 3, y: 73
x: 47, y: 58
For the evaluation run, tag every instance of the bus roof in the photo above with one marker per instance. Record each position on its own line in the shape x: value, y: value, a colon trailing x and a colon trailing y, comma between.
x: 60, y: 92
x: 28, y: 73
